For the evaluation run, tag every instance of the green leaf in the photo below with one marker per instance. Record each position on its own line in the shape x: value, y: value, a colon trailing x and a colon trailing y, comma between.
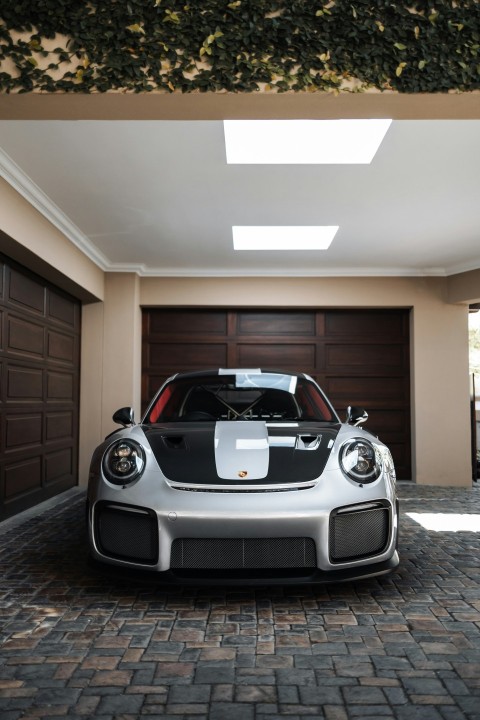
x: 136, y: 28
x: 277, y: 43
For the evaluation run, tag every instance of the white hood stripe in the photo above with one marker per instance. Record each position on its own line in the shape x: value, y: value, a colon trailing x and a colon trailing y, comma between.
x: 242, y: 450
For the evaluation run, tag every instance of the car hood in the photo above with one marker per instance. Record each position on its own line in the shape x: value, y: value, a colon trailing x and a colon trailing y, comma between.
x: 246, y: 452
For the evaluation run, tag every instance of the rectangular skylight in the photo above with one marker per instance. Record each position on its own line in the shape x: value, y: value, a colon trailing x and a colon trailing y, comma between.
x: 289, y: 142
x: 284, y: 237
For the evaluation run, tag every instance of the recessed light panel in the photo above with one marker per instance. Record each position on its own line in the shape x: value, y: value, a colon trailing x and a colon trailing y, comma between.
x: 290, y: 142
x: 261, y: 237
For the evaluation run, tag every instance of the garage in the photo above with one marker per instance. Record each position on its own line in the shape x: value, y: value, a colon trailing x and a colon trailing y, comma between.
x: 39, y: 398
x: 359, y: 357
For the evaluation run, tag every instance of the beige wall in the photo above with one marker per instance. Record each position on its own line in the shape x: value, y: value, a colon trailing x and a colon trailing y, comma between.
x: 122, y: 345
x: 464, y: 287
x: 91, y: 385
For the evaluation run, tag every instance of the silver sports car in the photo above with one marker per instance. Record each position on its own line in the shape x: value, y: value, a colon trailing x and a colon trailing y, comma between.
x: 243, y: 475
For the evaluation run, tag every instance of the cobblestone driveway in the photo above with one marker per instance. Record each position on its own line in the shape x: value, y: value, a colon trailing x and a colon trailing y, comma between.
x: 77, y: 644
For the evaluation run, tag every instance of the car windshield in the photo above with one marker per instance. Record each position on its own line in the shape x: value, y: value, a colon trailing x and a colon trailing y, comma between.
x: 240, y: 396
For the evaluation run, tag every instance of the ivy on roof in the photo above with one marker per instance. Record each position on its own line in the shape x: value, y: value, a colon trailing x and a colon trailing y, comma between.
x: 239, y: 45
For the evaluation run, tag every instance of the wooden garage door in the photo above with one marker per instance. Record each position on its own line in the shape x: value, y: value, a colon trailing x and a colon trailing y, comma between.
x: 359, y: 357
x: 39, y: 378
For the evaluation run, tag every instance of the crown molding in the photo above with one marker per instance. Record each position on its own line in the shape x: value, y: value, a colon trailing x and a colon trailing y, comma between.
x: 29, y: 190
x: 144, y: 271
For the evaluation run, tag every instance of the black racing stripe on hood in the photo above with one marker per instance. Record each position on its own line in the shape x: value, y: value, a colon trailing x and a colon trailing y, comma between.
x: 185, y: 453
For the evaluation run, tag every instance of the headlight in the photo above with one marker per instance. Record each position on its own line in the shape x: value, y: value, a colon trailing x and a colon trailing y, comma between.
x: 123, y: 462
x: 360, y: 461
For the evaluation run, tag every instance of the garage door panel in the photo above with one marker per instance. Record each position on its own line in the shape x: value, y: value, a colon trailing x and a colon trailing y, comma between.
x: 187, y: 322
x: 357, y: 390
x: 25, y: 338
x: 23, y: 477
x: 58, y: 466
x: 27, y: 292
x: 188, y: 354
x: 276, y: 323
x: 61, y: 347
x: 39, y: 383
x: 62, y: 309
x: 374, y: 358
x: 360, y: 357
x: 59, y: 425
x: 23, y: 431
x: 24, y: 383
x: 276, y: 355
x: 60, y: 387
x: 392, y: 421
x: 386, y: 324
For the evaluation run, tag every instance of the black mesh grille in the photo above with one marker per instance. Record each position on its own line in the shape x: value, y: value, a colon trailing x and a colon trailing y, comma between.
x: 240, y: 553
x: 128, y: 534
x: 358, y: 533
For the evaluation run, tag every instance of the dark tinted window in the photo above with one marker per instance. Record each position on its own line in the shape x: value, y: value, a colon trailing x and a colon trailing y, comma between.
x: 267, y: 397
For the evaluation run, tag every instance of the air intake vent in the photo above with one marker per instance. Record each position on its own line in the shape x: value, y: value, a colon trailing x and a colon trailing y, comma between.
x: 126, y: 533
x: 242, y: 553
x: 359, y: 531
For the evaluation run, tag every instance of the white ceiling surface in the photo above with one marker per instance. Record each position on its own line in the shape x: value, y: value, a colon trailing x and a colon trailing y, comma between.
x: 158, y: 197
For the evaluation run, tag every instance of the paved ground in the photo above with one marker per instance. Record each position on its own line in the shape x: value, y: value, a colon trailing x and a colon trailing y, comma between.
x: 77, y: 644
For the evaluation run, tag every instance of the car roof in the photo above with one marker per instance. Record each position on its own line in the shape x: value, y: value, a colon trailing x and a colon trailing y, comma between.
x: 234, y: 371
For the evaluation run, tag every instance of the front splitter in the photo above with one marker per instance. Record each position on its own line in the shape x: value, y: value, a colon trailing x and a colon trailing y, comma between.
x: 249, y: 577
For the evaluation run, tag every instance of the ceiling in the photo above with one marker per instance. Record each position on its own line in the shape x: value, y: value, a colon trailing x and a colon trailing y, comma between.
x: 157, y: 197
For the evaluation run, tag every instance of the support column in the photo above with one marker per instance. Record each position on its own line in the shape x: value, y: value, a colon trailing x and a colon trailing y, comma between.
x: 122, y: 346
x: 441, y: 399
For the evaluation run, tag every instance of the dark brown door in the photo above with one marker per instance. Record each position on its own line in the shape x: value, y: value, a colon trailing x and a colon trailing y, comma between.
x: 39, y: 387
x: 359, y: 357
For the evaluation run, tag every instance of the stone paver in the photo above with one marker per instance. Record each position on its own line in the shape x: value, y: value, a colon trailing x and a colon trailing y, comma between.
x: 77, y: 642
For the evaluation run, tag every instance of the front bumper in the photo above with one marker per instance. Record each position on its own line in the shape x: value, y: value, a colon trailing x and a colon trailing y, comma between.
x: 206, y: 544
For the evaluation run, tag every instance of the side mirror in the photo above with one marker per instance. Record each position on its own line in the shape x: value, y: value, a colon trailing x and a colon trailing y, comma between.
x: 356, y: 415
x: 124, y: 416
